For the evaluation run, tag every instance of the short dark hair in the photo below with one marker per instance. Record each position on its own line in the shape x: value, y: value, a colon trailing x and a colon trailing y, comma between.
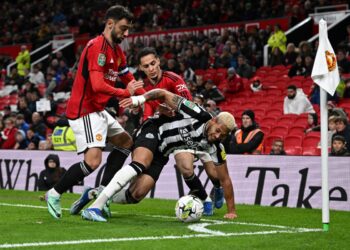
x: 339, y: 138
x: 145, y: 52
x: 293, y: 87
x: 118, y: 12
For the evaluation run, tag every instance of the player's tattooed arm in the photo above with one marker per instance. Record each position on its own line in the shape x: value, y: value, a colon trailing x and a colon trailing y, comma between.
x: 169, y: 98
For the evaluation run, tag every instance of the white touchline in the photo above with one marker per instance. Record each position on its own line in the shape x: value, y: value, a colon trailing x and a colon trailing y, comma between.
x: 199, y: 227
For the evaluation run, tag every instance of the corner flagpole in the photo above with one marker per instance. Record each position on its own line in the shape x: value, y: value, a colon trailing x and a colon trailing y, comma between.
x: 325, y: 73
x: 324, y: 159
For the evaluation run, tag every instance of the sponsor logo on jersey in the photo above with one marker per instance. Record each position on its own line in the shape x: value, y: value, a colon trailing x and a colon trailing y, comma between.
x: 181, y: 87
x: 101, y: 60
x: 187, y: 138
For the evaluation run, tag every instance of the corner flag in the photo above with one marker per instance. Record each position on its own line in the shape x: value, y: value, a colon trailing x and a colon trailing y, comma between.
x: 325, y: 70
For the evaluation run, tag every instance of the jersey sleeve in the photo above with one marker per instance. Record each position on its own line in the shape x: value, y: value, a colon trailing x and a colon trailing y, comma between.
x: 96, y: 58
x: 123, y: 69
x: 191, y: 110
x: 219, y: 155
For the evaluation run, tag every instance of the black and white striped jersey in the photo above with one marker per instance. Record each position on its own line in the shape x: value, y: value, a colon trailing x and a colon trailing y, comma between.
x: 187, y: 131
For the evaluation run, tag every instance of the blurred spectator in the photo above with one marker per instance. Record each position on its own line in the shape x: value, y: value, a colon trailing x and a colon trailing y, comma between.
x: 36, y: 76
x: 198, y: 59
x: 339, y: 146
x: 213, y: 59
x: 278, y: 39
x: 291, y: 54
x: 276, y: 58
x: 347, y: 89
x: 305, y: 49
x: 51, y: 83
x: 225, y: 57
x: 233, y: 83
x: 256, y: 85
x: 296, y: 102
x: 212, y: 92
x: 312, y: 123
x: 23, y: 61
x: 187, y: 73
x: 23, y: 109
x: 244, y: 69
x: 211, y: 107
x: 248, y: 139
x: 342, y: 61
x: 52, y: 173
x: 343, y: 129
x: 8, y: 135
x: 38, y: 125
x: 277, y: 147
x: 21, y: 142
x: 63, y: 138
x: 308, y: 63
x: 33, y: 139
x: 21, y: 123
x: 298, y: 68
x: 331, y: 129
x: 199, y: 99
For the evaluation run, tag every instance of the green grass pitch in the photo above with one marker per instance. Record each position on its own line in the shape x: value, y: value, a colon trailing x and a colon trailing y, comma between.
x: 26, y: 224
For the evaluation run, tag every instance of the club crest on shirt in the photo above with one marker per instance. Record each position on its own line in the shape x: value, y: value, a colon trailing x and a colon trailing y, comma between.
x: 99, y: 137
x: 331, y: 60
x: 101, y: 60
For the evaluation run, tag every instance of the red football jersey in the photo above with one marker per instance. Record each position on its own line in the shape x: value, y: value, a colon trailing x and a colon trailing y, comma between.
x: 91, y: 95
x: 169, y: 81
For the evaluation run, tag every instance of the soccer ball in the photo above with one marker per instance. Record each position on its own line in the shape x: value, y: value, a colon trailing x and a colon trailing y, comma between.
x: 189, y: 208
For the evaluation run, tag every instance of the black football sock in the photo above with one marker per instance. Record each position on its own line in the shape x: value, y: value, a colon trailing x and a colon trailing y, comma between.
x: 115, y: 161
x: 216, y: 182
x: 196, y: 187
x: 73, y: 176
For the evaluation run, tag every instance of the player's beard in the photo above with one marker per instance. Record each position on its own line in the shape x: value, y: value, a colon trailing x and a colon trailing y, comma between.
x: 115, y: 38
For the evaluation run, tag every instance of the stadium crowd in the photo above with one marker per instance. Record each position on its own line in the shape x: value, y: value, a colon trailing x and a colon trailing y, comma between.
x: 237, y: 54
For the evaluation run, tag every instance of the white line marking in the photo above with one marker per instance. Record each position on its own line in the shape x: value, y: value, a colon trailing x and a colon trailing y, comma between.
x: 200, y: 227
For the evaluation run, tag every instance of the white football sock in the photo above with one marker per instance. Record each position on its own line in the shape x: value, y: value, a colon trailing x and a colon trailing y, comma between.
x: 120, y: 197
x: 120, y: 179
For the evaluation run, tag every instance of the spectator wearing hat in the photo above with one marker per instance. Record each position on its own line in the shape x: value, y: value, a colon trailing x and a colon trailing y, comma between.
x: 51, y: 174
x: 296, y: 102
x: 342, y: 129
x: 248, y: 139
x: 256, y: 85
x: 339, y: 147
x: 233, y: 83
x: 212, y: 92
x: 8, y: 135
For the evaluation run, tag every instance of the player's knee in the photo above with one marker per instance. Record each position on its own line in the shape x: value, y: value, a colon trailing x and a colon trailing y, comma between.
x: 124, y: 140
x: 94, y: 163
x: 186, y: 171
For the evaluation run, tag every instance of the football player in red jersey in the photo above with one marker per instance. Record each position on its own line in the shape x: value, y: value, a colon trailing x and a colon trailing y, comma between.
x: 101, y: 63
x: 149, y: 64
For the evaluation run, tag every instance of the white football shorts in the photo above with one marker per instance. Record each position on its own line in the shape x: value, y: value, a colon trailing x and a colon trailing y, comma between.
x: 92, y: 130
x: 202, y: 155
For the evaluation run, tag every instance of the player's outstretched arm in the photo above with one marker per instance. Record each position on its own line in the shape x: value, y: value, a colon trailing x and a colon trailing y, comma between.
x: 172, y: 100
